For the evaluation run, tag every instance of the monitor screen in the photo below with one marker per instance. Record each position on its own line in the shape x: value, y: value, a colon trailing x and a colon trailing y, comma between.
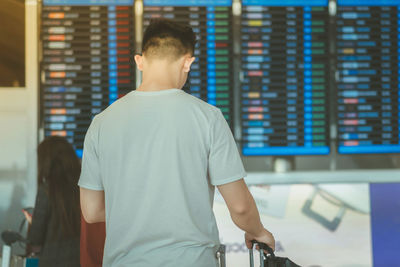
x: 204, y: 3
x: 368, y: 95
x: 210, y: 77
x: 87, y: 64
x: 285, y: 81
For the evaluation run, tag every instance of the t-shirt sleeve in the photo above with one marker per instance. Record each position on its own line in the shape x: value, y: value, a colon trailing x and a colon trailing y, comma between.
x: 224, y: 162
x: 90, y: 173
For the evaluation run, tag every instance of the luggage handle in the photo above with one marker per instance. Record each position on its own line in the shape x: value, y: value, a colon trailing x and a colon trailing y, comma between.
x: 262, y: 247
x: 220, y: 254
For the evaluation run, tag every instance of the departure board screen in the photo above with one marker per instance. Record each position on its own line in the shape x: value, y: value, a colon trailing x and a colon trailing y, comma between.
x: 210, y: 76
x: 285, y: 81
x: 87, y: 49
x: 368, y: 60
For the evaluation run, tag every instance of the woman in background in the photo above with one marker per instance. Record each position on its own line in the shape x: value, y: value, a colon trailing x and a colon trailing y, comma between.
x: 56, y: 218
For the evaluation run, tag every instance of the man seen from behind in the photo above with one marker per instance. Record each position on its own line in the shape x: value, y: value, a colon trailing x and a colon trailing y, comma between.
x: 152, y: 161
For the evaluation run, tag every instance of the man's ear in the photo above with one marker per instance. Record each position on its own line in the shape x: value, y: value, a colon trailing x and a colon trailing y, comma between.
x: 187, y: 63
x: 139, y: 62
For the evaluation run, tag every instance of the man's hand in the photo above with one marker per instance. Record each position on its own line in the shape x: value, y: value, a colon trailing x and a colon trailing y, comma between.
x: 244, y: 213
x: 28, y: 216
x: 265, y: 237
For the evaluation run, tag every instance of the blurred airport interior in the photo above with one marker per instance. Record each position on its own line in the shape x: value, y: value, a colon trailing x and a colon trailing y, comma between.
x: 310, y: 89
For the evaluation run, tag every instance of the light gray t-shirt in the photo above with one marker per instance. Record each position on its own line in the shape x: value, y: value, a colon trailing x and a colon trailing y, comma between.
x: 158, y: 156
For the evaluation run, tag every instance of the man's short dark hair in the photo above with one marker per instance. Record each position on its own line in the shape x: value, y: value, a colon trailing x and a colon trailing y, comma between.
x: 166, y: 38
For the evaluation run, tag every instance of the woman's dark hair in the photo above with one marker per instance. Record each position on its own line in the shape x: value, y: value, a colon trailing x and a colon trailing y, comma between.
x: 59, y: 170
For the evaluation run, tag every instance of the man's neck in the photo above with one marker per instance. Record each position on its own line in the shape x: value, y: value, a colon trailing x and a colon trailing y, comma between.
x: 160, y: 75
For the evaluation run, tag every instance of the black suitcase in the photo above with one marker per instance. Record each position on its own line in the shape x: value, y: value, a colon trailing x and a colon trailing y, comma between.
x: 269, y: 259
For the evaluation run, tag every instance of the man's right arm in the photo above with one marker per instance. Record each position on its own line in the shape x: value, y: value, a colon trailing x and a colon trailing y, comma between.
x: 92, y: 205
x: 244, y: 213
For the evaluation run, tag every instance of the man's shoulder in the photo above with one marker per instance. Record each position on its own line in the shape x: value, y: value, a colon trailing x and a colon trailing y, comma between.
x: 110, y: 109
x: 194, y: 100
x: 186, y: 101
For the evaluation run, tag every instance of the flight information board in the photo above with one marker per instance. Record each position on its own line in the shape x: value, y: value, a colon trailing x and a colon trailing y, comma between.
x: 87, y: 49
x: 285, y: 81
x: 368, y: 60
x: 210, y: 76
